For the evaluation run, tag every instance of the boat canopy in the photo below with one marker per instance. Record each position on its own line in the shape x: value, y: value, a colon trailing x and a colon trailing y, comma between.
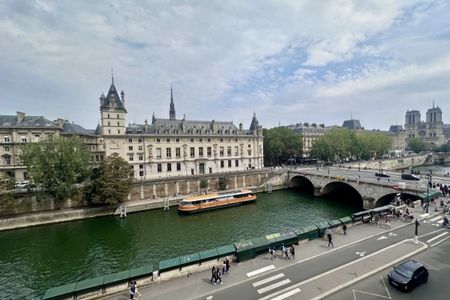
x: 217, y: 195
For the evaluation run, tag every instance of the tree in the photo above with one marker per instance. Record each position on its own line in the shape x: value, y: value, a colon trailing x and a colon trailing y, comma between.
x: 443, y: 148
x: 222, y: 183
x: 417, y: 145
x: 57, y: 165
x: 280, y: 144
x: 110, y: 182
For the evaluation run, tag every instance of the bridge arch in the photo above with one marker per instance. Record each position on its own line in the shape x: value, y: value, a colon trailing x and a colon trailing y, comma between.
x: 344, y: 192
x: 302, y: 184
x: 387, y: 199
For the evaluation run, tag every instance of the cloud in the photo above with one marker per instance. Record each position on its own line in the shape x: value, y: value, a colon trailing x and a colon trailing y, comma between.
x: 288, y: 61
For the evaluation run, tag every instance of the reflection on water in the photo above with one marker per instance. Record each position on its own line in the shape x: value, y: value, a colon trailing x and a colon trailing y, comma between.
x: 35, y: 259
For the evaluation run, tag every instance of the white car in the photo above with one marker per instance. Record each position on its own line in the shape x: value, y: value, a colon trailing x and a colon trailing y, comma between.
x: 22, y: 184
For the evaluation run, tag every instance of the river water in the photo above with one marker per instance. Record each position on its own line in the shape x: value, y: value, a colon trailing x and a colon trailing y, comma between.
x: 35, y: 259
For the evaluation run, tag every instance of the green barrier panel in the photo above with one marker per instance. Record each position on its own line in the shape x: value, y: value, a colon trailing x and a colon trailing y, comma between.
x: 59, y: 291
x: 322, y: 227
x: 141, y: 271
x: 346, y: 220
x: 261, y: 244
x: 116, y: 277
x: 245, y: 250
x: 288, y: 237
x: 275, y: 239
x: 226, y: 250
x: 301, y: 234
x: 208, y: 254
x: 311, y: 232
x: 190, y: 259
x: 88, y: 284
x: 335, y: 223
x: 168, y: 264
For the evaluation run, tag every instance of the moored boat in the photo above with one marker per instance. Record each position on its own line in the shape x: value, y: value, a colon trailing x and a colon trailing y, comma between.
x: 215, y: 201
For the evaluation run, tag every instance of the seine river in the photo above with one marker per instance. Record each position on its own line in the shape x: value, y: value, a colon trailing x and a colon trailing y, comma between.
x: 35, y: 259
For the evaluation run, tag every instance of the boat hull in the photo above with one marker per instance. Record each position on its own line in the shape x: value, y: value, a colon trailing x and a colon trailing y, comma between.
x: 213, y: 206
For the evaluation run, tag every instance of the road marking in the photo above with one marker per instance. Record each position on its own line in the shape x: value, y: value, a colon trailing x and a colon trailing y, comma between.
x: 385, y: 287
x: 438, y: 242
x: 209, y: 297
x: 392, y: 234
x: 264, y: 281
x: 370, y: 294
x: 425, y: 215
x: 259, y: 271
x: 361, y: 253
x: 288, y: 294
x: 273, y: 286
x: 436, y: 237
x: 381, y: 238
x: 430, y: 266
x: 435, y: 219
x: 430, y: 233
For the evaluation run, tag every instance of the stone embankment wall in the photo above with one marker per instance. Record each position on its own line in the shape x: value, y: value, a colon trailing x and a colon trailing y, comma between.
x: 148, y: 193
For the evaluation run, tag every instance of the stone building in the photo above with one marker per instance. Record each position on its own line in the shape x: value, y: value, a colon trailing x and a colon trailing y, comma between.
x: 310, y: 133
x: 431, y: 131
x: 178, y: 147
x: 17, y: 130
x: 398, y: 138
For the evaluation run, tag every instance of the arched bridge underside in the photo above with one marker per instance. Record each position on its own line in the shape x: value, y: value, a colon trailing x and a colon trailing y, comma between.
x: 367, y: 194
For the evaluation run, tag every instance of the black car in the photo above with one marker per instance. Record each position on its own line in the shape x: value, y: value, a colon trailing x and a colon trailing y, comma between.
x: 408, y: 275
x: 381, y: 174
x: 410, y: 177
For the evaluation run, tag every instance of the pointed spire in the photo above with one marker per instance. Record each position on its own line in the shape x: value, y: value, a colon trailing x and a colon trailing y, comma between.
x: 254, y: 124
x: 172, y: 114
x: 112, y: 76
x: 153, y: 118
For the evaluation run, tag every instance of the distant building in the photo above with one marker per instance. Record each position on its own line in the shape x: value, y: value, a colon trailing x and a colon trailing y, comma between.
x: 431, y: 131
x: 310, y: 133
x: 352, y: 124
x: 398, y: 138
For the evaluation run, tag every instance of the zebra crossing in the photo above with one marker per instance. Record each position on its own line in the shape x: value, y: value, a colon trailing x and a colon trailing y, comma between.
x: 265, y: 287
x: 436, y: 221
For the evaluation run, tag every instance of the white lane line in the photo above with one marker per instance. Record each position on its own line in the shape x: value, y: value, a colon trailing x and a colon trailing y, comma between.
x: 385, y: 287
x: 438, y: 242
x: 273, y: 286
x: 435, y: 219
x: 288, y: 294
x: 436, y: 237
x: 264, y: 281
x: 425, y: 215
x: 259, y: 271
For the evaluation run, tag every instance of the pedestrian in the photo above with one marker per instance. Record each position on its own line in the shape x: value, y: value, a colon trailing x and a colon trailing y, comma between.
x: 227, y: 264
x: 287, y: 253
x: 136, y: 293
x: 132, y: 290
x: 330, y: 238
x: 218, y: 277
x: 292, y: 251
x: 344, y: 228
x: 213, y: 274
x: 272, y: 253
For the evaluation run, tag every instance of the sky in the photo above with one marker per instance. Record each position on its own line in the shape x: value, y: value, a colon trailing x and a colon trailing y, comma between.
x: 286, y: 61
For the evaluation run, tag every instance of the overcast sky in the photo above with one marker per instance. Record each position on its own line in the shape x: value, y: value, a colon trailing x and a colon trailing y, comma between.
x: 287, y: 61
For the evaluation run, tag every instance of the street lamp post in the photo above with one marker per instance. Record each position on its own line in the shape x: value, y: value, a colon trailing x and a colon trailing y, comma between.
x: 359, y: 166
x: 379, y: 167
x: 428, y: 190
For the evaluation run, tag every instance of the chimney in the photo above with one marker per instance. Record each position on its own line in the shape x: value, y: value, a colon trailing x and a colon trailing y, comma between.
x: 240, y: 126
x: 122, y: 97
x: 146, y: 125
x: 102, y: 99
x: 20, y: 116
x: 60, y: 123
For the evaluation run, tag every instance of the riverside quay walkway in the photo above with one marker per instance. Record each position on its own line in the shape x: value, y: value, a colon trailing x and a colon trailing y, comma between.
x: 361, y: 258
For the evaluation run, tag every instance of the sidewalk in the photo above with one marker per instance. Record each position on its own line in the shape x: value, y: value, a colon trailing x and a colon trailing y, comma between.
x: 197, y: 286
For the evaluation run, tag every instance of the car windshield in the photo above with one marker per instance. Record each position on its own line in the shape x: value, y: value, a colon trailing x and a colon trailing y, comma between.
x: 404, y: 271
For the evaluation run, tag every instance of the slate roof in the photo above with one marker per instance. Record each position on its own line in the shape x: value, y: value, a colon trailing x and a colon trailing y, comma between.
x: 72, y: 128
x: 396, y: 128
x: 254, y: 125
x: 112, y: 95
x: 352, y: 124
x: 27, y: 122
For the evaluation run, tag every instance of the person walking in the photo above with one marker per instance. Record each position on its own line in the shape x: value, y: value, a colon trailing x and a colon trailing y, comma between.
x: 272, y: 253
x: 344, y: 228
x: 213, y: 275
x: 132, y: 290
x: 293, y: 251
x: 227, y: 264
x: 218, y: 277
x: 330, y: 238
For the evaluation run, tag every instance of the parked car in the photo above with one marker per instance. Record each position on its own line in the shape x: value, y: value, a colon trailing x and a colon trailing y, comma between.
x: 382, y: 174
x: 22, y: 184
x: 408, y: 275
x: 410, y: 177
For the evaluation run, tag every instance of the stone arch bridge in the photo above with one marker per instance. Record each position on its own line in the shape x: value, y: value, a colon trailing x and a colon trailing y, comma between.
x: 372, y: 193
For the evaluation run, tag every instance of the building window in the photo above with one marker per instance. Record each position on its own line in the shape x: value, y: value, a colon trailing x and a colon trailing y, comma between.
x: 109, y: 123
x: 178, y: 166
x: 221, y: 151
x: 141, y: 157
x: 6, y: 149
x: 130, y: 158
x: 158, y: 140
x: 177, y: 140
x: 6, y: 139
x: 23, y: 139
x: 141, y: 166
x: 118, y: 124
x: 229, y: 163
x: 208, y: 151
x: 178, y: 152
x: 168, y: 152
x: 210, y: 170
x: 130, y: 148
x: 192, y: 152
x: 169, y: 167
x: 117, y: 116
x: 159, y: 166
x: 139, y: 140
x: 141, y: 173
x: 249, y: 146
x: 249, y: 151
x: 209, y: 140
x: 236, y: 163
x: 222, y: 164
x: 168, y: 140
x: 229, y: 151
x: 140, y: 148
x: 7, y: 159
x: 200, y: 140
x: 109, y: 131
x: 200, y: 151
x: 192, y: 171
x: 108, y: 116
x: 192, y: 140
x: 118, y: 131
x: 158, y: 152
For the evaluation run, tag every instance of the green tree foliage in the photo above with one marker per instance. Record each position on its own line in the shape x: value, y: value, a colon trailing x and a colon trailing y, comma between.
x: 110, y: 182
x: 57, y: 165
x: 280, y: 144
x: 443, y: 148
x: 6, y: 183
x: 222, y: 183
x: 340, y: 144
x: 417, y: 145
